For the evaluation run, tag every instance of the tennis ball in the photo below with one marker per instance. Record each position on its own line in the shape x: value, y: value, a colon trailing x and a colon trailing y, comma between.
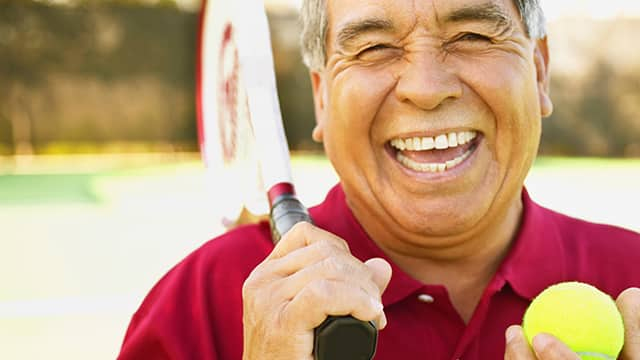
x: 581, y: 316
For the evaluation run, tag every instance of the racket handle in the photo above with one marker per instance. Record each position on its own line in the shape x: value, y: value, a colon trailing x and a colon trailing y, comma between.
x: 338, y: 337
x: 286, y: 211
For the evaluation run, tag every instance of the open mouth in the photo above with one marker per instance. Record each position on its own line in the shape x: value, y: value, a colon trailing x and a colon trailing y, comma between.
x: 435, y: 154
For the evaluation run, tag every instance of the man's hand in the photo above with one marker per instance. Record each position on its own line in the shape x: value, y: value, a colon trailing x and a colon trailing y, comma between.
x: 629, y: 305
x: 309, y: 275
x: 547, y: 347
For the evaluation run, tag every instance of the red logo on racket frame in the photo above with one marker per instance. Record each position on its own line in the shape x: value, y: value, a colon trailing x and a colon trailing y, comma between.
x: 229, y: 97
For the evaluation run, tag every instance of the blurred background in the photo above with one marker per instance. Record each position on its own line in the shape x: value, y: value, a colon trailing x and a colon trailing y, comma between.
x: 101, y: 184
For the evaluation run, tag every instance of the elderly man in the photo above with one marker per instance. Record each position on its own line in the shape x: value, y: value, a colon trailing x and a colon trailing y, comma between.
x: 430, y: 111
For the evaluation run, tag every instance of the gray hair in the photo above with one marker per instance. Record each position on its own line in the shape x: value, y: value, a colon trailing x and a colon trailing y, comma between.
x: 313, y: 16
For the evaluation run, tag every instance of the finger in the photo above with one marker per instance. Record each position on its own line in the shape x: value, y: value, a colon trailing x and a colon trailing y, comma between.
x: 341, y: 267
x: 301, y: 235
x: 300, y: 258
x: 628, y: 303
x: 517, y: 345
x: 548, y: 347
x: 381, y: 271
x: 323, y: 298
x: 381, y: 277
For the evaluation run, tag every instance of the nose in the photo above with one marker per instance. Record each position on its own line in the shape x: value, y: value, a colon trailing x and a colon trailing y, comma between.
x: 427, y: 81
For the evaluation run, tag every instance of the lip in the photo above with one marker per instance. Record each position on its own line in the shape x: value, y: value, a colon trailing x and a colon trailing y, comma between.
x: 436, y: 177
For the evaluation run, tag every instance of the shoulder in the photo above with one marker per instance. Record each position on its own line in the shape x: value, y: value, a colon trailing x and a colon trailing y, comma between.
x: 182, y: 314
x: 604, y: 255
x: 237, y: 251
x: 222, y: 262
x: 593, y: 235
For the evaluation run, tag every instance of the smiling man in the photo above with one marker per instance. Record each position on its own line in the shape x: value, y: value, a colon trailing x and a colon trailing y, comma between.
x: 430, y: 112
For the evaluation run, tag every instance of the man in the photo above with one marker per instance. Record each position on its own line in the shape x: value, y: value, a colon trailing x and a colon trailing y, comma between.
x: 430, y: 112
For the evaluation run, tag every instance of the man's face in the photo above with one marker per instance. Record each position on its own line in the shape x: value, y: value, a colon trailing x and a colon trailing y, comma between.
x: 430, y: 110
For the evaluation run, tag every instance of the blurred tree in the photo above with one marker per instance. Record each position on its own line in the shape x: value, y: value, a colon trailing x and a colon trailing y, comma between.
x: 96, y: 71
x: 104, y: 71
x: 596, y: 115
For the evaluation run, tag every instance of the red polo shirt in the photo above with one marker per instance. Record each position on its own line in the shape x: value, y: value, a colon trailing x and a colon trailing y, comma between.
x: 195, y: 311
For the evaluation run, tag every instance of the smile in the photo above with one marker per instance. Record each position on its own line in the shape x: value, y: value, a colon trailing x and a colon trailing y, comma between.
x: 435, y: 154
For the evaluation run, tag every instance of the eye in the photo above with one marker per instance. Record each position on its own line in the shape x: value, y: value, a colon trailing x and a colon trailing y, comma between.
x: 472, y: 37
x: 373, y: 49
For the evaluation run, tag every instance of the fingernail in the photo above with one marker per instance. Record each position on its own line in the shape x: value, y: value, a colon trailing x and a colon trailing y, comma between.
x: 512, y: 332
x: 541, y: 341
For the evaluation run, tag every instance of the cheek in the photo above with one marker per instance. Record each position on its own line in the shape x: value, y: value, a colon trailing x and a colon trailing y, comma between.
x: 354, y: 102
x: 509, y: 91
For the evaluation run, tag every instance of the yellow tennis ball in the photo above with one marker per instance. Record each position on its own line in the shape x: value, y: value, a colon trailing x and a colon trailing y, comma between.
x: 581, y: 316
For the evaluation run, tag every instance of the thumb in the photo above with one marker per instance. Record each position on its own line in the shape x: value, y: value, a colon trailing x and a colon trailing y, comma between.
x: 629, y: 305
x: 517, y: 345
x: 381, y: 272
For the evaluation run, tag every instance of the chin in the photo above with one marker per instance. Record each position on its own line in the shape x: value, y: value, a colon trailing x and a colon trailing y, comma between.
x: 440, y: 222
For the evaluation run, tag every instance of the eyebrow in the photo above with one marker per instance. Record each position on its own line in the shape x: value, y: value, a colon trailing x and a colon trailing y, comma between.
x: 354, y: 29
x: 488, y: 12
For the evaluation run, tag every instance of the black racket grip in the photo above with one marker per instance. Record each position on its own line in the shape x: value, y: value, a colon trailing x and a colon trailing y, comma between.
x: 345, y: 338
x: 286, y: 211
x: 338, y: 337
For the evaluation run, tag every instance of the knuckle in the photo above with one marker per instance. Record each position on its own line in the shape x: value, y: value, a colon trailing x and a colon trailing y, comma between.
x: 248, y: 289
x: 255, y: 282
x: 302, y: 228
x: 329, y: 249
x: 334, y: 267
x: 320, y: 288
x: 341, y: 243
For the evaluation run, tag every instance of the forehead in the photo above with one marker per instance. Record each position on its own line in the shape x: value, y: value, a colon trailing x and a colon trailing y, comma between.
x: 426, y: 12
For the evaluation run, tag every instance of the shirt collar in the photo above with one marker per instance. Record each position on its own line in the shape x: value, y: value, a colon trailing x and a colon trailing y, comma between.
x: 535, y: 261
x: 537, y: 258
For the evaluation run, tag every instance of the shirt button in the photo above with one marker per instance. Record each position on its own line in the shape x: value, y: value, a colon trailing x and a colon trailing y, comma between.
x: 426, y: 298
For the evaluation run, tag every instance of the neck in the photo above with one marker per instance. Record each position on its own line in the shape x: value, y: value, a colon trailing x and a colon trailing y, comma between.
x: 464, y: 264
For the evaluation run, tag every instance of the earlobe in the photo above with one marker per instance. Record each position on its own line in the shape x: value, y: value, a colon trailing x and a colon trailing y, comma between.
x: 319, y: 102
x: 546, y: 105
x: 541, y: 58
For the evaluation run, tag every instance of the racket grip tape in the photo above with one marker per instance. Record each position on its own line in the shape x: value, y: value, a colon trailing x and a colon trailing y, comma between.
x: 338, y: 337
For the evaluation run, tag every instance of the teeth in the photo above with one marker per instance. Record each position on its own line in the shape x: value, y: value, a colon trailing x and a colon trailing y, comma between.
x: 453, y: 140
x: 440, y: 142
x: 428, y: 143
x: 437, y: 167
x: 443, y: 141
x: 416, y: 143
x: 409, y: 144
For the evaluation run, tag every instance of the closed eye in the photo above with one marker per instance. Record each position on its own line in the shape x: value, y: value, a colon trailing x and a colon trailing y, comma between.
x: 472, y: 37
x: 374, y: 48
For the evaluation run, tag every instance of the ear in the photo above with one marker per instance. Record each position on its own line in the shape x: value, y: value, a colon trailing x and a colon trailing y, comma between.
x: 320, y: 105
x: 541, y: 59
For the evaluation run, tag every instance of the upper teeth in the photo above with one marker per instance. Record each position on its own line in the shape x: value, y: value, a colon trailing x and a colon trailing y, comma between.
x: 443, y: 141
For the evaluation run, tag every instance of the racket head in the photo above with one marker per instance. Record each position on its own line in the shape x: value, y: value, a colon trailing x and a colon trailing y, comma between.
x: 225, y: 132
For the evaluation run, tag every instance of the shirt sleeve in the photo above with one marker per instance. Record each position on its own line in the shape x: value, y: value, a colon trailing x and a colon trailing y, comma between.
x: 174, y: 320
x: 195, y: 310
